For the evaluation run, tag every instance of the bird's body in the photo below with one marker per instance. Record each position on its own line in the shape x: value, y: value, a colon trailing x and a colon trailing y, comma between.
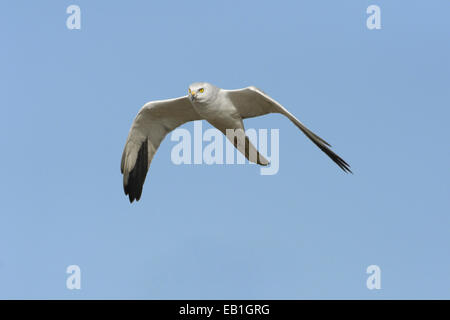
x: 216, y: 108
x: 223, y: 109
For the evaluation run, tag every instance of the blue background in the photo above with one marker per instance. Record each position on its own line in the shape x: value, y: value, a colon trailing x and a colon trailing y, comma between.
x: 380, y: 97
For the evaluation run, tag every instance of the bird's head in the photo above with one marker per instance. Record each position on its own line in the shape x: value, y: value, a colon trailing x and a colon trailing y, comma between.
x: 202, y: 92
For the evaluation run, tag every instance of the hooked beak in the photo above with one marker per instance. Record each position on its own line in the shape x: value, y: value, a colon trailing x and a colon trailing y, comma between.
x: 192, y: 95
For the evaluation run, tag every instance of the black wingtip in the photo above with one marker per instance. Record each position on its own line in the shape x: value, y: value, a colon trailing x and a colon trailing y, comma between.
x: 333, y: 156
x: 137, y: 175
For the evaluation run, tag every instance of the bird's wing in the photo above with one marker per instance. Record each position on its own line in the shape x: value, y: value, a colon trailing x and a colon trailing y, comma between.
x: 153, y: 122
x: 252, y: 102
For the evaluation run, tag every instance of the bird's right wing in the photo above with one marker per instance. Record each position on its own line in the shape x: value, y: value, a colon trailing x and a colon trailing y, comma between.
x: 153, y: 122
x: 252, y: 102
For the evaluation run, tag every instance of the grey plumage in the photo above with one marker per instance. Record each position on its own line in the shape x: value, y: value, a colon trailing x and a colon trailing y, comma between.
x: 224, y: 109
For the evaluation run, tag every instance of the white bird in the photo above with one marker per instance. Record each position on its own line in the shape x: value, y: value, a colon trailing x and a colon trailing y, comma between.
x: 224, y: 109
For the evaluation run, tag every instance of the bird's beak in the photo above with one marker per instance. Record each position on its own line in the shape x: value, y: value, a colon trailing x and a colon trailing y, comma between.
x: 193, y: 95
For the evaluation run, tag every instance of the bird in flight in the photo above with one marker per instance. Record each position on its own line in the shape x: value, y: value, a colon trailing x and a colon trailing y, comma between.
x: 224, y: 109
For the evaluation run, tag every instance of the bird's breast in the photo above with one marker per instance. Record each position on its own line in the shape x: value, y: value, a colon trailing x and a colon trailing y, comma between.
x: 214, y: 110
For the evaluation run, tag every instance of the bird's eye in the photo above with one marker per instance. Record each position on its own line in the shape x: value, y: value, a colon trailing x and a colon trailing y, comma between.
x: 189, y: 90
x: 201, y: 90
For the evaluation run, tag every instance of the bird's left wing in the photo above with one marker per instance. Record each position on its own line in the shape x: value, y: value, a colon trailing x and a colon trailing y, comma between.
x: 252, y: 102
x: 153, y: 122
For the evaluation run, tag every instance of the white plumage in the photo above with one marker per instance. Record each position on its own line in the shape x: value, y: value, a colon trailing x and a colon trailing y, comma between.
x: 224, y: 109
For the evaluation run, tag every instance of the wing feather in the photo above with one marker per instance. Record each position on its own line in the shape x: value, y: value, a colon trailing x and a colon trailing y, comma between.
x: 252, y: 102
x: 153, y: 122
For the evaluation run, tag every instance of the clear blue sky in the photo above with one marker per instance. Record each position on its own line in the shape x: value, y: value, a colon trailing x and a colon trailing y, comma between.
x: 380, y: 97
